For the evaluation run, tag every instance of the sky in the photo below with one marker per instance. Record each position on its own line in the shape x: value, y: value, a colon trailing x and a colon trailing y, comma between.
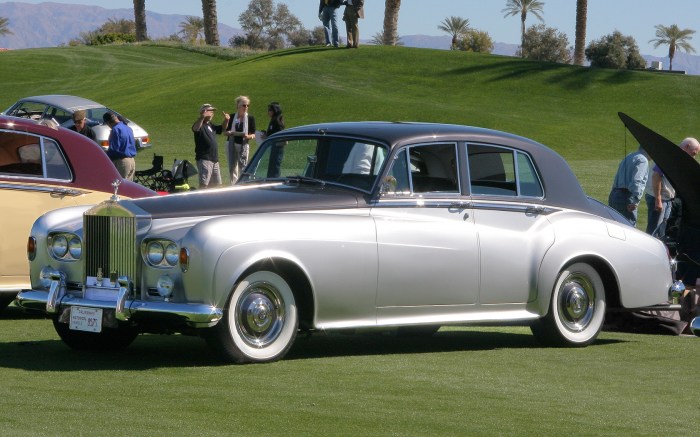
x: 635, y: 18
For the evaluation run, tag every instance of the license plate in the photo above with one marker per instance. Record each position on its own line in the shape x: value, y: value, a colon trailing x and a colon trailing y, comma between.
x: 86, y: 319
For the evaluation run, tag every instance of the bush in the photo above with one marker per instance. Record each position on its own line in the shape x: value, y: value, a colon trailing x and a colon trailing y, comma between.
x: 546, y: 44
x: 475, y: 41
x: 111, y: 38
x: 615, y: 51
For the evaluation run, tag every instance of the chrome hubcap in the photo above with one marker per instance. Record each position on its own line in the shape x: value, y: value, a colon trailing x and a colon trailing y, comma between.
x: 576, y: 302
x: 260, y: 314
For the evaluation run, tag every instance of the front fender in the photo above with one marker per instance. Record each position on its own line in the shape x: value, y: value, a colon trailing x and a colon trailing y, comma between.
x: 337, y: 253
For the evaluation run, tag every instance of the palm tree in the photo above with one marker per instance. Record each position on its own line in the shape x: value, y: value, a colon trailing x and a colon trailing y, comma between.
x: 211, y: 27
x: 391, y: 22
x: 140, y: 20
x: 192, y: 28
x: 455, y: 26
x: 522, y: 7
x: 580, y: 44
x: 4, y: 30
x: 675, y: 38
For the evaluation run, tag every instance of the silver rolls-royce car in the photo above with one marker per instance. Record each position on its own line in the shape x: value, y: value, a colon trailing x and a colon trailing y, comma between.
x: 407, y: 226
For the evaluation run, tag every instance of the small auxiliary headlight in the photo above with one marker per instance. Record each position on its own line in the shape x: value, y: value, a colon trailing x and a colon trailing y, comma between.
x: 165, y: 286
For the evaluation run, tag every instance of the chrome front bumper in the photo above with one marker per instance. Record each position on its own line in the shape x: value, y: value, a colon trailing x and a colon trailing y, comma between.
x: 125, y: 309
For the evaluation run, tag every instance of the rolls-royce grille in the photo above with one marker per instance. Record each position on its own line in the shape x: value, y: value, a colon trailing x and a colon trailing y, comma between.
x: 110, y: 245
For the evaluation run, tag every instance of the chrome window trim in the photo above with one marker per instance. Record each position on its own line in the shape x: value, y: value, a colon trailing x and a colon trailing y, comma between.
x: 41, y: 189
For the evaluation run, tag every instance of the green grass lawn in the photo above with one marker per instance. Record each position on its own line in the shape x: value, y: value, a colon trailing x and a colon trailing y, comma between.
x: 462, y: 381
x: 483, y: 381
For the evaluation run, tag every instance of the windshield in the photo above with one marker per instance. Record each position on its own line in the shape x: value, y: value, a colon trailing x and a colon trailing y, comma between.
x: 335, y: 160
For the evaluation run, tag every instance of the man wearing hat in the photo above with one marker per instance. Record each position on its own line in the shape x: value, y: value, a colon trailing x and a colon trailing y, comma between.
x: 122, y: 146
x: 206, y: 149
x: 80, y: 125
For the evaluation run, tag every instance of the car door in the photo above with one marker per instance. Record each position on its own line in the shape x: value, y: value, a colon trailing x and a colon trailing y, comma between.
x: 427, y: 242
x: 33, y: 177
x: 511, y: 222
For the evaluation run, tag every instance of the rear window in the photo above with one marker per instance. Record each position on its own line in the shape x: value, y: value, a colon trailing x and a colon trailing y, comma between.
x: 26, y: 155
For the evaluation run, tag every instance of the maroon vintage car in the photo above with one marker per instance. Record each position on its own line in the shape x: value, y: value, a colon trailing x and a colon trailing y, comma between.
x: 45, y: 167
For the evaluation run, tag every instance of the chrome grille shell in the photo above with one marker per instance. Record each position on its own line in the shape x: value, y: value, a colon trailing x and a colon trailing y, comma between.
x: 110, y: 241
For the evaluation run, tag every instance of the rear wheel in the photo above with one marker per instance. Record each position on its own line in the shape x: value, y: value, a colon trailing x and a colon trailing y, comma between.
x: 260, y: 320
x: 577, y: 310
x: 110, y: 339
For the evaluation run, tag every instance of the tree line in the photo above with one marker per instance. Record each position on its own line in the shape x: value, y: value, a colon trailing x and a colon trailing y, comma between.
x: 270, y: 26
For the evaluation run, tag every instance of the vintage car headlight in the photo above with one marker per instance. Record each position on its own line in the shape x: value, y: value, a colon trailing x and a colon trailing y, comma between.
x: 172, y: 254
x: 75, y: 247
x: 161, y: 253
x: 59, y: 246
x: 155, y: 253
x: 65, y: 246
x: 165, y: 286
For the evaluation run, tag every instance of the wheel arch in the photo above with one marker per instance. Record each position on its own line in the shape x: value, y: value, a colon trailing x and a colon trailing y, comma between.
x: 604, y: 269
x: 297, y: 280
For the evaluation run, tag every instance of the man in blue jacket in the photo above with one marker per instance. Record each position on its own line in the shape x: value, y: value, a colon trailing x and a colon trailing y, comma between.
x: 326, y: 13
x: 122, y: 146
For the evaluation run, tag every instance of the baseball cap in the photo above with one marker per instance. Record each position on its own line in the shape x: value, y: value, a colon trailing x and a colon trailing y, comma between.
x: 207, y: 107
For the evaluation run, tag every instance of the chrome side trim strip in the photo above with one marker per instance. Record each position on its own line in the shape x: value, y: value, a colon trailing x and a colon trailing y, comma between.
x: 57, y: 191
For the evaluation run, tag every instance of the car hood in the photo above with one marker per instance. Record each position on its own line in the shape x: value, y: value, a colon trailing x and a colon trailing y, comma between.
x: 682, y: 170
x: 249, y: 199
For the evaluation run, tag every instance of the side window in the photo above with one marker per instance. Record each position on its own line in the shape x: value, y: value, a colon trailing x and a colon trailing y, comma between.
x: 56, y: 166
x: 61, y: 116
x: 528, y: 181
x: 430, y: 168
x: 499, y: 171
x: 20, y: 154
x: 32, y: 110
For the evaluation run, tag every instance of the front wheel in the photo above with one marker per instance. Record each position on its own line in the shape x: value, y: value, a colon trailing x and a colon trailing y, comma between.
x: 577, y: 310
x: 260, y: 320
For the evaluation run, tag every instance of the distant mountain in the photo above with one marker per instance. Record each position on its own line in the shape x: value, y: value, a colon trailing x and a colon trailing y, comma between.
x: 53, y: 24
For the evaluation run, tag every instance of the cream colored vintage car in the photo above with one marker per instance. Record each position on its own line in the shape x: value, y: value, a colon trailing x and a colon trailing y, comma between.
x: 44, y: 167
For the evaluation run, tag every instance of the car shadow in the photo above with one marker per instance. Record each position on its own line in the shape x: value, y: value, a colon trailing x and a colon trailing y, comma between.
x: 155, y: 351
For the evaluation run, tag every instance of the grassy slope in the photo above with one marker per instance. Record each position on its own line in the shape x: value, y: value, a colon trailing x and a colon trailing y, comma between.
x: 571, y: 109
x: 479, y: 381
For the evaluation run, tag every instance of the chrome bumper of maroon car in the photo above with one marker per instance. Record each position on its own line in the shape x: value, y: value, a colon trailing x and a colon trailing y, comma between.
x: 695, y: 326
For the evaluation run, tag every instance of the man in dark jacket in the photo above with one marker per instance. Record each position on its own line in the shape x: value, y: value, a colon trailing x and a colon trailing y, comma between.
x: 354, y: 10
x: 326, y: 13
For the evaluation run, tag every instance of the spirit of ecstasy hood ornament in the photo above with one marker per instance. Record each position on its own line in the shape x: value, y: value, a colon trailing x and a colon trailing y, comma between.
x: 115, y: 184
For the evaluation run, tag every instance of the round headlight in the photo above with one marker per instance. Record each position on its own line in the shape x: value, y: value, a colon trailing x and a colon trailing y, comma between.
x: 59, y: 246
x: 155, y: 252
x: 75, y: 247
x: 165, y: 286
x: 172, y: 253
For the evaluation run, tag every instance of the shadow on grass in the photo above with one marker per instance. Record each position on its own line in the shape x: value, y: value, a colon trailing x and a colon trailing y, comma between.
x: 175, y: 351
x: 567, y: 76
